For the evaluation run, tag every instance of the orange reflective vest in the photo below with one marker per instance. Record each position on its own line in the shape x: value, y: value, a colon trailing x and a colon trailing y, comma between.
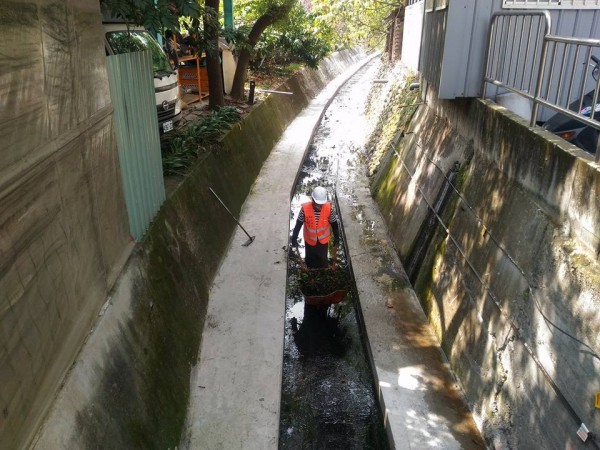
x: 314, y: 231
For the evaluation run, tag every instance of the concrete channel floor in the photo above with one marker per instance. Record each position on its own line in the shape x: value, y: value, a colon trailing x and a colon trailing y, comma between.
x: 235, y: 387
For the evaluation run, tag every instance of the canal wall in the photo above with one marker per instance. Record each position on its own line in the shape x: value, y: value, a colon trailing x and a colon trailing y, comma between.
x: 129, y: 387
x: 497, y: 227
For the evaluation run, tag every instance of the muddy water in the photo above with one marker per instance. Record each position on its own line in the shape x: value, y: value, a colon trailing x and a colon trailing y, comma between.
x: 328, y: 396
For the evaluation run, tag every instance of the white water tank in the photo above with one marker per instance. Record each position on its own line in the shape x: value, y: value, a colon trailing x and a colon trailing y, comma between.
x: 515, y: 103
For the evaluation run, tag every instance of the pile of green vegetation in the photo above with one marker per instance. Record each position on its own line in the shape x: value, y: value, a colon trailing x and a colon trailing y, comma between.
x: 183, y: 146
x: 324, y: 281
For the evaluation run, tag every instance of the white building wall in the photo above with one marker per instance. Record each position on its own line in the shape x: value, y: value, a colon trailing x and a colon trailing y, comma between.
x: 411, y: 42
x: 459, y: 69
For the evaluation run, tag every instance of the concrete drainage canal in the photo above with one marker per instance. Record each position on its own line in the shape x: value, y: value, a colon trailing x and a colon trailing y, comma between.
x: 328, y: 397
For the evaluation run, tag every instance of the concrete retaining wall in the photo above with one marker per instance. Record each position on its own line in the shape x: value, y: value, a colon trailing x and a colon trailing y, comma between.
x: 513, y: 268
x: 64, y: 234
x: 129, y: 387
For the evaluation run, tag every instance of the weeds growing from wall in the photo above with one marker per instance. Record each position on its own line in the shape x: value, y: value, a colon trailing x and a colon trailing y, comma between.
x: 400, y: 105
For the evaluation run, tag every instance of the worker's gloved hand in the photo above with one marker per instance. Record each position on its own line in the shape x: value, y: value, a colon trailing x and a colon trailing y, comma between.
x: 294, y: 242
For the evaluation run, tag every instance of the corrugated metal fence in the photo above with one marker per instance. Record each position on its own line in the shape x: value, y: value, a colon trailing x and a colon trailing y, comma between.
x: 136, y: 128
x: 432, y: 46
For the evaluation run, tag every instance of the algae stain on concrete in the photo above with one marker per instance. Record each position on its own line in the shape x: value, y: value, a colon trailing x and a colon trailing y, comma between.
x: 143, y: 396
x: 434, y: 239
x: 387, y: 274
x: 426, y: 275
x: 401, y: 105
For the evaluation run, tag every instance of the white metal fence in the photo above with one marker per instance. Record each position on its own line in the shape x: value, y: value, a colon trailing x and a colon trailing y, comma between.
x: 551, y: 71
x: 551, y: 4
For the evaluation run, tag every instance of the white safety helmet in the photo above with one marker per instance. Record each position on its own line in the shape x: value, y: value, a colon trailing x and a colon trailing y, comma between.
x: 319, y: 195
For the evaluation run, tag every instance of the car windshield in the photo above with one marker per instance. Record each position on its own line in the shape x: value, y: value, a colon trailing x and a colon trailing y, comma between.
x: 137, y: 41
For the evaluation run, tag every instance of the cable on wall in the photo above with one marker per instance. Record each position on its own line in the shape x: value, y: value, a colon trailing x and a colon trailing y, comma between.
x: 493, y: 296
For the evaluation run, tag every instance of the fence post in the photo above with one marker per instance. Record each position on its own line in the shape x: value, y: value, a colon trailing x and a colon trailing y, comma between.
x: 251, y: 92
x: 538, y: 87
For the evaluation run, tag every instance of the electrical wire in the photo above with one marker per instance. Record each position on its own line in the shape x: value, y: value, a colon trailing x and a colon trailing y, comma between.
x: 511, y: 259
x: 493, y: 296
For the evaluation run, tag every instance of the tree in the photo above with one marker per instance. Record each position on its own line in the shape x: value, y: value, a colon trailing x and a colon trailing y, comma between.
x: 272, y: 11
x: 300, y: 39
x: 357, y: 22
x: 153, y: 15
x: 164, y: 14
x: 216, y: 98
x: 333, y: 23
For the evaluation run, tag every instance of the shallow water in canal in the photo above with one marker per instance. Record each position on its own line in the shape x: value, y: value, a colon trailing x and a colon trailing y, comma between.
x: 328, y: 395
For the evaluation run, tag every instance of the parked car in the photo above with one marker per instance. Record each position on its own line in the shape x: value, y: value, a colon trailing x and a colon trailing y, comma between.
x: 119, y: 38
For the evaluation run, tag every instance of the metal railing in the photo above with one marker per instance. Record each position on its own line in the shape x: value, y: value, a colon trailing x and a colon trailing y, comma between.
x: 554, y: 4
x: 551, y: 71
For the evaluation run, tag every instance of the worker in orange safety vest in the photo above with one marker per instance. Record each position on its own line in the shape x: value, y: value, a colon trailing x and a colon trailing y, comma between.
x: 319, y: 219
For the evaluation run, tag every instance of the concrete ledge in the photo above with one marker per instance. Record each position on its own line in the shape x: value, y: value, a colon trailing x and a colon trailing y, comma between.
x: 562, y: 176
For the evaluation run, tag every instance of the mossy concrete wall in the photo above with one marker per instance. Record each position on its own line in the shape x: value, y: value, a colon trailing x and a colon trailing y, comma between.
x: 129, y: 387
x: 513, y: 268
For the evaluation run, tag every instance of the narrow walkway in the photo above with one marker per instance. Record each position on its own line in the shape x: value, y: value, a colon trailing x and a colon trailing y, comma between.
x: 422, y: 403
x: 235, y: 389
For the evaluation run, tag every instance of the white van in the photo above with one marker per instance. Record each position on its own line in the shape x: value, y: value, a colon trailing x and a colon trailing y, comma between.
x: 118, y: 38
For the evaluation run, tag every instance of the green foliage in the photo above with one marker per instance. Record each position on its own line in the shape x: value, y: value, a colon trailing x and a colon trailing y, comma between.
x: 396, y: 115
x: 296, y: 40
x: 248, y: 11
x: 355, y: 22
x: 314, y: 28
x: 184, y: 146
x: 290, y: 31
x: 187, y: 16
x: 154, y: 15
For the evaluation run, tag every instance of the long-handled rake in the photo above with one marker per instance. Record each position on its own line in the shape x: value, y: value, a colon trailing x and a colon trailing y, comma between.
x: 250, y: 238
